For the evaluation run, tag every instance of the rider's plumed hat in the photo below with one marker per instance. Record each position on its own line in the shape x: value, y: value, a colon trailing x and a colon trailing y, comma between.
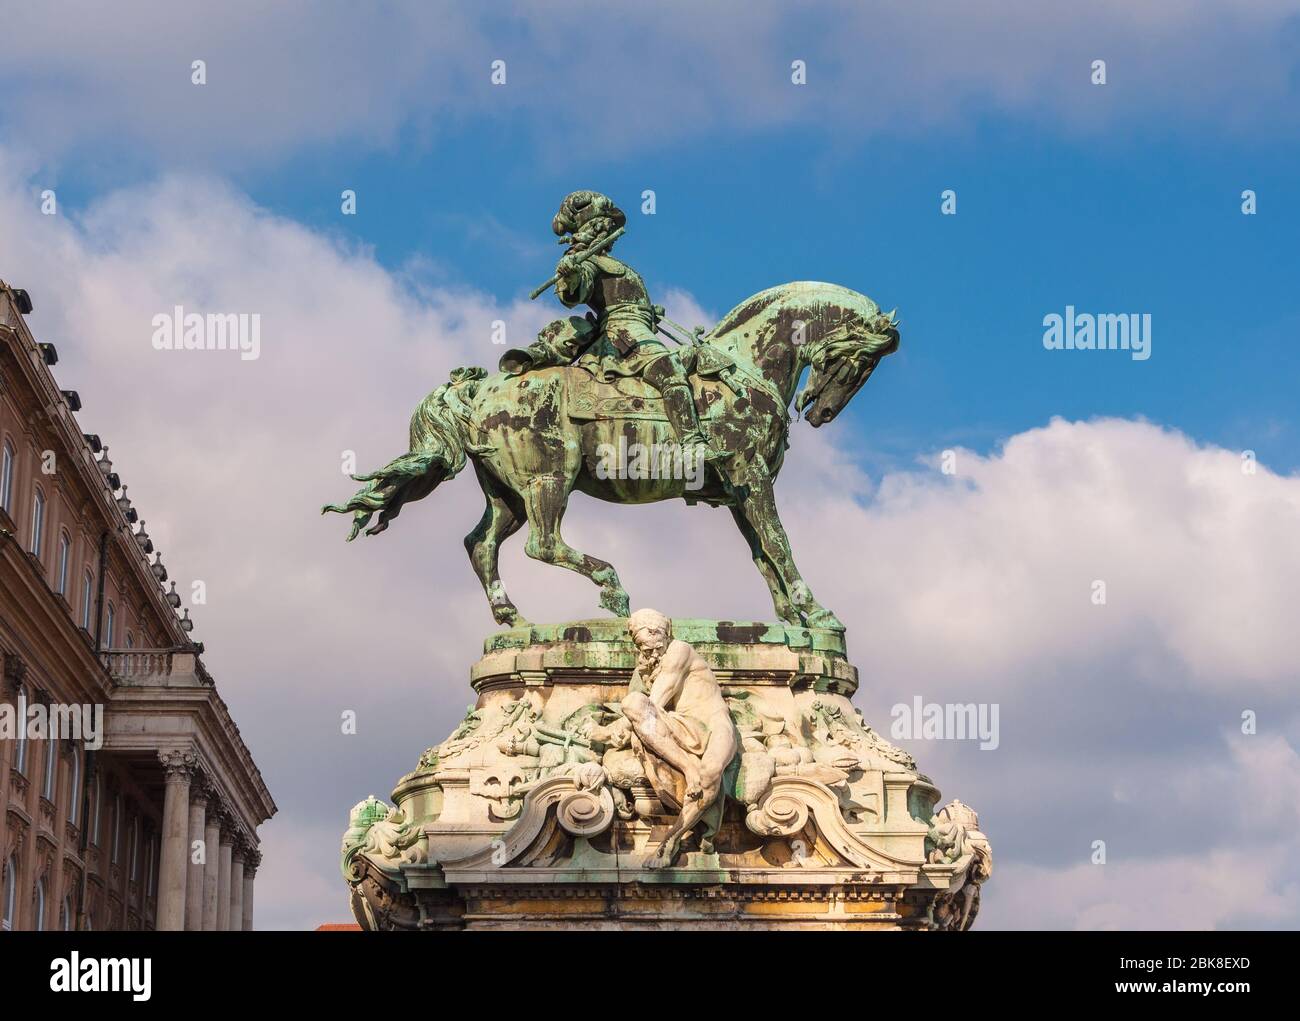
x: 581, y: 206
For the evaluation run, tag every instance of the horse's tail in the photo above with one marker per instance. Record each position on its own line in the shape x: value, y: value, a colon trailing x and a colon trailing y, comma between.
x: 437, y: 454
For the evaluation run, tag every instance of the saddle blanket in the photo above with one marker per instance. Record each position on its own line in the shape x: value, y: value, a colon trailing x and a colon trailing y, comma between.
x: 628, y: 397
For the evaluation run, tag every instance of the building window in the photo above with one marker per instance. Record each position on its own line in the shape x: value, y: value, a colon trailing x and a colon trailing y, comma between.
x: 38, y: 523
x: 74, y: 790
x: 40, y: 906
x: 99, y: 797
x: 51, y: 768
x: 108, y: 626
x: 20, y: 754
x: 7, y: 477
x: 135, y: 848
x: 117, y: 827
x: 67, y: 919
x: 87, y: 584
x: 130, y: 640
x: 148, y: 869
x: 11, y: 893
x: 65, y: 553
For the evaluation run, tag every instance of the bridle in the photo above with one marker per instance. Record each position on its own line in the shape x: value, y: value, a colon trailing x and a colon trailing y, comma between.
x: 843, y: 357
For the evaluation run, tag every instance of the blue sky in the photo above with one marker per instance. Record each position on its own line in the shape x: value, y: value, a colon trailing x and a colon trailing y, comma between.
x: 1075, y: 465
x: 1113, y: 198
x: 1137, y: 222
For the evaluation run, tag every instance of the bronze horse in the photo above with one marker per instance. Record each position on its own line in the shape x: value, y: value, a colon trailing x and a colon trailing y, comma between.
x: 533, y: 442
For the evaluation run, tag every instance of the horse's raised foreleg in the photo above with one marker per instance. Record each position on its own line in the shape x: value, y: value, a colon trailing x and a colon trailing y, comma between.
x: 752, y: 485
x: 544, y: 500
x: 784, y: 608
x: 502, y: 518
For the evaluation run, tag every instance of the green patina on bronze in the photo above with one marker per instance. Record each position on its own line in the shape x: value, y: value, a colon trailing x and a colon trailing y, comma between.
x: 812, y: 658
x: 546, y: 424
x: 693, y: 632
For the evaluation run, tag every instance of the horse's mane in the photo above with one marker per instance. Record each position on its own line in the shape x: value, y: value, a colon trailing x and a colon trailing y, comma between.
x: 810, y: 298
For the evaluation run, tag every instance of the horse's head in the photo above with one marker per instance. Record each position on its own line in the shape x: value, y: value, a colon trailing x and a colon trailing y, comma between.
x: 841, y: 360
x: 839, y: 333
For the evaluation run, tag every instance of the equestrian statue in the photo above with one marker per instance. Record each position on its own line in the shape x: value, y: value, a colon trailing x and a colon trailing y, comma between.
x: 600, y: 404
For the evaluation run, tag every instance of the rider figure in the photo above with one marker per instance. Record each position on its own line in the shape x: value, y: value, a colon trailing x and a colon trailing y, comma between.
x: 617, y: 296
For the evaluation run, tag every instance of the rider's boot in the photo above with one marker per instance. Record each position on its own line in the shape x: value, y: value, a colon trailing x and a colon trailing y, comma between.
x: 666, y: 375
x: 679, y: 403
x: 519, y: 360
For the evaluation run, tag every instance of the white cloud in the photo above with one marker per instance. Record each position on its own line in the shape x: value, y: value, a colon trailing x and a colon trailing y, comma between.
x: 1177, y: 891
x: 1248, y: 789
x: 1193, y: 552
x: 968, y: 588
x: 115, y: 82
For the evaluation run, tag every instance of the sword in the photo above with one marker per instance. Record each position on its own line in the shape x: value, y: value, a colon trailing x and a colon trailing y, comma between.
x: 694, y: 334
x: 595, y: 249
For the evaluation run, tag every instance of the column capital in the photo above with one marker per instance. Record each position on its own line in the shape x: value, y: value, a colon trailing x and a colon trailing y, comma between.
x: 219, y: 811
x: 179, y: 763
x: 202, y: 789
x: 252, y: 860
x: 15, y: 670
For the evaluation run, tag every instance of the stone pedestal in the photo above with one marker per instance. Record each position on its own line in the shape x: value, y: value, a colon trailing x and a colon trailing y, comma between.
x: 519, y: 821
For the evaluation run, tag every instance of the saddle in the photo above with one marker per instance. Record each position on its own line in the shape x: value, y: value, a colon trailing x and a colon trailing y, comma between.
x: 601, y: 396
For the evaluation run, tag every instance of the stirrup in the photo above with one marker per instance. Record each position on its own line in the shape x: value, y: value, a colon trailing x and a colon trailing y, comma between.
x: 710, y: 453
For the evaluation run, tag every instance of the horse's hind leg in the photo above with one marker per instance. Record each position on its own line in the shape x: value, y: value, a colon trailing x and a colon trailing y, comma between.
x: 544, y: 500
x: 501, y: 519
x: 784, y: 608
x: 758, y: 504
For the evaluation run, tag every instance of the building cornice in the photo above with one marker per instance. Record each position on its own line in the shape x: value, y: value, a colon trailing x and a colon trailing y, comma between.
x: 65, y: 650
x: 184, y: 701
x: 59, y: 417
x: 209, y: 725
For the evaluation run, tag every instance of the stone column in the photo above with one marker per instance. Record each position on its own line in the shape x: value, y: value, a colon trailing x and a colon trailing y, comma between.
x: 251, y: 864
x: 194, y: 871
x: 212, y: 862
x: 237, y: 883
x: 180, y: 765
x: 223, y: 881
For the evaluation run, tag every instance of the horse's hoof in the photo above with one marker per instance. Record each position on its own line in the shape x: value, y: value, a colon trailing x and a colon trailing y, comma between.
x: 616, y: 602
x: 790, y: 615
x: 824, y: 619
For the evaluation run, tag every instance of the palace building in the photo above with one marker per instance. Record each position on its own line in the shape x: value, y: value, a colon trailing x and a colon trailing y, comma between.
x: 128, y: 799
